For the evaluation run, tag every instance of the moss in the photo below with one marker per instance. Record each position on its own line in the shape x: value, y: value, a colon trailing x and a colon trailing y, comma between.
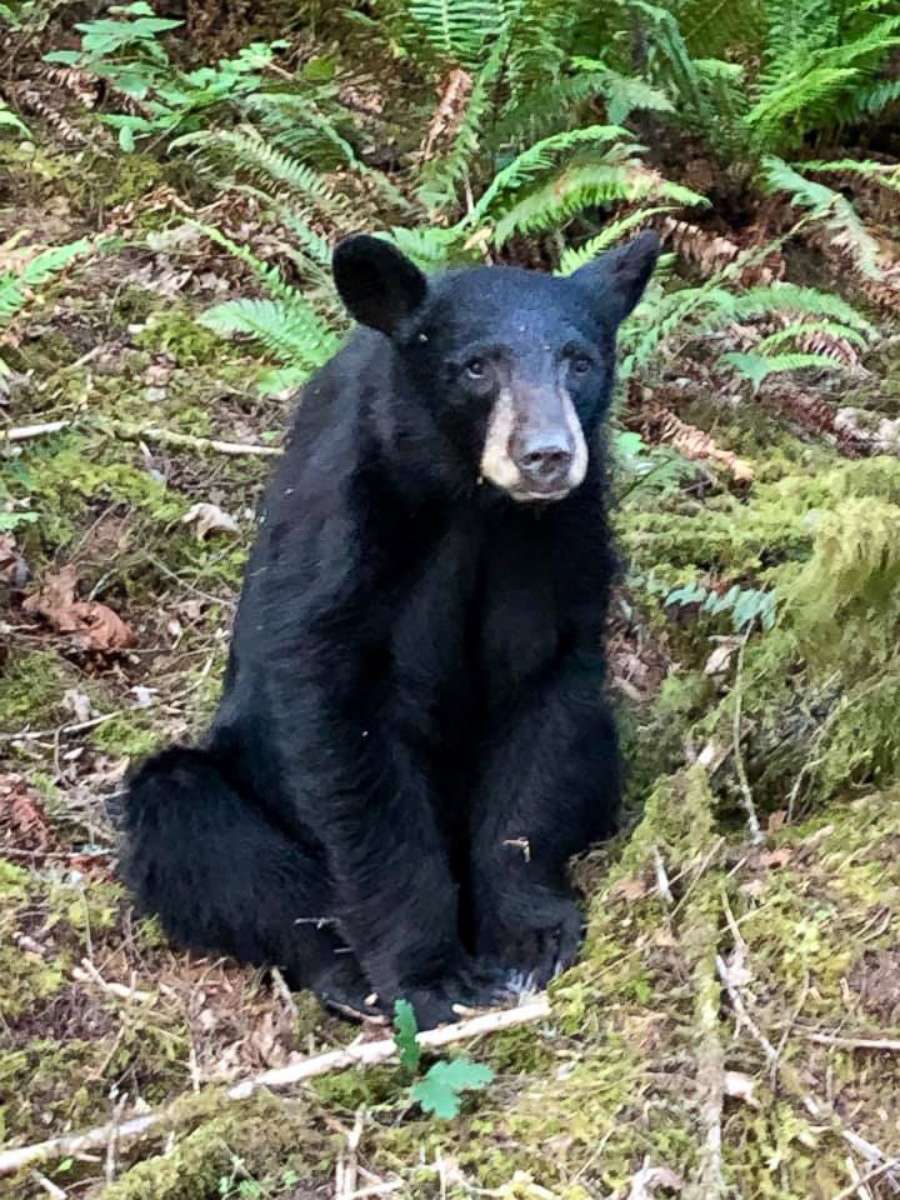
x: 129, y: 735
x: 262, y: 1135
x: 177, y: 333
x: 31, y: 690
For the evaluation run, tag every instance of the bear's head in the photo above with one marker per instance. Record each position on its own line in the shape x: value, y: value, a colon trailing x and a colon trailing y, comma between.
x: 515, y: 366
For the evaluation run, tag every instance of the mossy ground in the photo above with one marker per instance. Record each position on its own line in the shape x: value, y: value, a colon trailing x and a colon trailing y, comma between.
x: 629, y: 1071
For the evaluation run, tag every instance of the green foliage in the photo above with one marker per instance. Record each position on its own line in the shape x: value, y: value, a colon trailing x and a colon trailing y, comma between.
x: 9, y: 120
x: 126, y: 51
x: 830, y: 208
x: 439, y: 1092
x: 405, y: 1029
x: 745, y: 605
x: 17, y: 285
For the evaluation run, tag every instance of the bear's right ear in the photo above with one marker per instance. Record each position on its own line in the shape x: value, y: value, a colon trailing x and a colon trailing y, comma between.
x: 379, y: 286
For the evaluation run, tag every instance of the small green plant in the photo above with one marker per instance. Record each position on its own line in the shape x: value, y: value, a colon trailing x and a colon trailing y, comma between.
x: 746, y: 605
x: 17, y: 285
x: 126, y: 51
x: 10, y: 120
x: 442, y: 1085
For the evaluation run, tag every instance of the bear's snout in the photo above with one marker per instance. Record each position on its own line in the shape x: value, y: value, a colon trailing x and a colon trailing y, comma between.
x: 544, y: 458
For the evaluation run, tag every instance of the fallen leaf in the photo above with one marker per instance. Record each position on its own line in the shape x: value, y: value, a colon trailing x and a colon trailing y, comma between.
x: 720, y: 659
x: 22, y: 814
x: 94, y: 625
x: 209, y: 518
x: 631, y: 889
x: 776, y: 858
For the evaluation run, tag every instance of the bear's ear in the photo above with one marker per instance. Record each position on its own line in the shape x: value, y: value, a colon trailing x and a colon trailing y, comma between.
x: 378, y: 285
x: 617, y: 279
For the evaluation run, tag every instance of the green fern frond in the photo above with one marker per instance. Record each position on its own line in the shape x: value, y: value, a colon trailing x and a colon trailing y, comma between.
x: 805, y: 329
x: 590, y: 185
x: 441, y: 178
x: 872, y: 100
x: 886, y: 174
x: 624, y: 94
x: 269, y: 276
x: 539, y: 158
x: 803, y: 301
x: 429, y: 248
x: 546, y: 107
x: 611, y: 233
x: 457, y: 30
x: 292, y: 332
x: 758, y: 367
x: 14, y: 285
x: 247, y: 151
x: 826, y: 205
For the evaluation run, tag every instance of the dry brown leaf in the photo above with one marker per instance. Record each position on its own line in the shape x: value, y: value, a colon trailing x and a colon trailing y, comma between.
x: 632, y: 889
x: 776, y: 858
x: 94, y: 625
x: 454, y: 94
x: 209, y: 518
x: 22, y: 815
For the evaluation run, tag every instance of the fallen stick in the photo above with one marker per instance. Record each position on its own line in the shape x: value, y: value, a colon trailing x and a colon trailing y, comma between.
x: 852, y: 1043
x: 134, y: 433
x: 363, y: 1054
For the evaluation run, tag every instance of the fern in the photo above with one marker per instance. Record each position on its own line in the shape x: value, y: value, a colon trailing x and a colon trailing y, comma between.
x: 247, y: 151
x: 758, y: 367
x: 588, y: 185
x: 442, y: 177
x: 831, y: 208
x: 291, y: 331
x: 457, y: 30
x: 887, y: 175
x: 539, y: 158
x: 611, y: 233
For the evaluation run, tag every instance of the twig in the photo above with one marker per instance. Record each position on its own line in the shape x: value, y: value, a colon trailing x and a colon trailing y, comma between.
x: 363, y: 1054
x: 48, y: 1186
x: 892, y: 1045
x: 756, y: 836
x: 876, y: 1173
x: 24, y: 432
x: 133, y: 433
x: 88, y: 973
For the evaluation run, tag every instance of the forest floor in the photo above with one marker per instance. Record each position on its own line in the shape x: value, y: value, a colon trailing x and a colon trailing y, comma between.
x: 733, y: 1028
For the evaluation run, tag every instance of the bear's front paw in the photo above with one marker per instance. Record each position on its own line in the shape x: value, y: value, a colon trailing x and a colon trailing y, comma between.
x: 535, y: 938
x: 473, y: 985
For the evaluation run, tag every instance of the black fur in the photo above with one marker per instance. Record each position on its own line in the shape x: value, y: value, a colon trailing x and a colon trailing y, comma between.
x: 412, y: 739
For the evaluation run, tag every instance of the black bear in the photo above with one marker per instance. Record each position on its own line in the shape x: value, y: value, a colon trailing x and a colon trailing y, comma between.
x: 413, y: 739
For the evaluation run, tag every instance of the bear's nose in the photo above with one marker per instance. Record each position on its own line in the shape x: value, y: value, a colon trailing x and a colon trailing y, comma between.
x: 546, y: 462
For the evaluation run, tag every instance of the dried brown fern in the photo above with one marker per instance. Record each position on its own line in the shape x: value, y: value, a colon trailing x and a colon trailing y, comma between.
x: 659, y: 424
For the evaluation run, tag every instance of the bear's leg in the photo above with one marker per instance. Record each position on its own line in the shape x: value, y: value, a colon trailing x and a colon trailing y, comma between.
x: 549, y: 788
x: 222, y: 879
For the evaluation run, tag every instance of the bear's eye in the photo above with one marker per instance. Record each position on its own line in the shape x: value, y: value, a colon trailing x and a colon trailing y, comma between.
x: 581, y: 364
x: 475, y: 368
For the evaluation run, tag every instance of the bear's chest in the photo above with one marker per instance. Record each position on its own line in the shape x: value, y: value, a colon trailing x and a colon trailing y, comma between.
x: 475, y: 622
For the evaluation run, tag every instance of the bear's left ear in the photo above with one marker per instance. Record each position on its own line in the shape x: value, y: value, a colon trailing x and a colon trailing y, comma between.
x: 379, y: 285
x: 617, y: 279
